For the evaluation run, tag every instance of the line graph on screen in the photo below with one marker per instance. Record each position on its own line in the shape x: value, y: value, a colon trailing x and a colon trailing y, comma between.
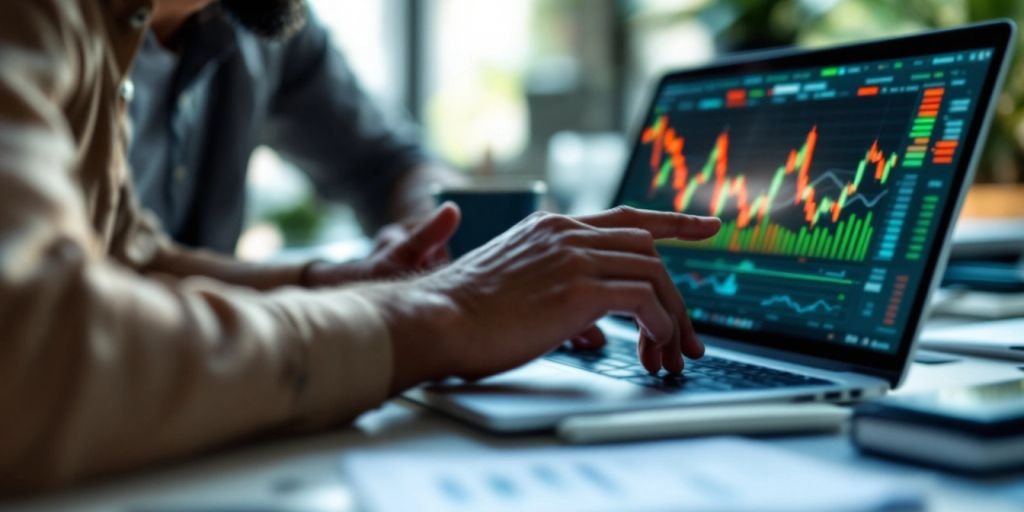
x: 795, y: 213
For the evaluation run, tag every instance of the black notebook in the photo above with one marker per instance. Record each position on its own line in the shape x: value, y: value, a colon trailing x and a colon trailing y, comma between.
x: 975, y: 429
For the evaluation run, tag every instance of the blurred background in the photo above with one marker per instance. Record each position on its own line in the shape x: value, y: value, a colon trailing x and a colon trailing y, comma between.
x: 550, y: 89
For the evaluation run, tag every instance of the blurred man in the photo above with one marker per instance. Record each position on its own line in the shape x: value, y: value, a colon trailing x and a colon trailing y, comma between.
x: 122, y: 348
x: 205, y: 91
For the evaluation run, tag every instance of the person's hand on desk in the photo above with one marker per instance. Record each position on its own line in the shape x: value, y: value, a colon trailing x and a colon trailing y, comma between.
x: 545, y: 280
x: 400, y: 249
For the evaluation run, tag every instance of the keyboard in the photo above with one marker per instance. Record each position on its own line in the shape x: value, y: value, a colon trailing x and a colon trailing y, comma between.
x: 618, y: 359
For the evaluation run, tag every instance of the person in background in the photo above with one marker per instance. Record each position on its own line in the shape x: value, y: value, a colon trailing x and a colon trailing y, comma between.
x: 204, y: 92
x: 123, y: 348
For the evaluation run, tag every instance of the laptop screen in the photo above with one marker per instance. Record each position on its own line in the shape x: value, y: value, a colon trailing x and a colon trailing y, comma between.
x: 831, y: 177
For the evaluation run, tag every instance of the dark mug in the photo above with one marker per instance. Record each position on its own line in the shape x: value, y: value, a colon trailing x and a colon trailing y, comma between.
x: 488, y: 210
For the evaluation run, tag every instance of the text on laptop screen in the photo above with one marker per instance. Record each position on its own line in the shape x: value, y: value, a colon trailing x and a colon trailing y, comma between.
x: 828, y: 181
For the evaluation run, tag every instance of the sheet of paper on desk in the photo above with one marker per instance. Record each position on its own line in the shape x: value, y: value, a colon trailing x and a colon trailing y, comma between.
x: 704, y: 474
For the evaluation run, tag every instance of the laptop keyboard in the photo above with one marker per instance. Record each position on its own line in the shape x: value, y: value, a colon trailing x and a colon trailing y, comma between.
x: 618, y: 359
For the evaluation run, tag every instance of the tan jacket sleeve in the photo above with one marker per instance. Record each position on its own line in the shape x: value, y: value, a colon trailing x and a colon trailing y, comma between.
x: 102, y: 369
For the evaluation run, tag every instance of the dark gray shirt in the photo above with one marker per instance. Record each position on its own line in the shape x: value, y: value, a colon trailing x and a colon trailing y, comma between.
x: 198, y: 113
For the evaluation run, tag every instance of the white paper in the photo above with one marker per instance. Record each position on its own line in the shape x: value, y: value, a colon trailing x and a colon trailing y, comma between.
x: 705, y: 474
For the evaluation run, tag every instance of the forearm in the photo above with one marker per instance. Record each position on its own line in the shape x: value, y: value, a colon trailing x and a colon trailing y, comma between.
x: 178, y: 262
x: 410, y: 199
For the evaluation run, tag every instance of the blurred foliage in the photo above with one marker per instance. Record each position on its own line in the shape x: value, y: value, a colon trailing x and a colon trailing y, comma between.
x: 301, y: 223
x: 740, y: 25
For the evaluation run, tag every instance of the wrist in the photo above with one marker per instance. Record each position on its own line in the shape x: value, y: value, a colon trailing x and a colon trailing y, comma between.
x: 309, y: 272
x: 423, y: 325
x: 320, y: 273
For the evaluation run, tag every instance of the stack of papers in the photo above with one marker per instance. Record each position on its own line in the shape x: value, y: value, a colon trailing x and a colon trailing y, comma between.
x: 704, y: 474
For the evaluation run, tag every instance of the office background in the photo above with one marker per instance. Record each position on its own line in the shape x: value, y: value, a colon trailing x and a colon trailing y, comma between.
x: 550, y: 89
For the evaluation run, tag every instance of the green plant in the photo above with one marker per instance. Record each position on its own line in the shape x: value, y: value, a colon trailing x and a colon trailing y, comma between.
x: 301, y: 223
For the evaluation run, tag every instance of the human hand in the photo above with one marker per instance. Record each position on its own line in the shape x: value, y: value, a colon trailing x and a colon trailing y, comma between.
x: 547, y: 279
x: 399, y: 249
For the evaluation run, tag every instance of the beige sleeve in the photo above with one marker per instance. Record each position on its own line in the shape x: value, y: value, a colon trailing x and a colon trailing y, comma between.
x: 103, y: 370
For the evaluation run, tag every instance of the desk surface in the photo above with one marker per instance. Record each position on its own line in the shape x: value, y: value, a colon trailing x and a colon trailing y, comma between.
x: 301, y: 474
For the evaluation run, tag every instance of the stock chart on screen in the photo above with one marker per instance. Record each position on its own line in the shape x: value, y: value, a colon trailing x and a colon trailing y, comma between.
x: 828, y: 182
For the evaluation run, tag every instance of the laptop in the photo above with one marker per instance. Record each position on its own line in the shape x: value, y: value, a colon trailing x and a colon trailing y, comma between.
x: 837, y: 174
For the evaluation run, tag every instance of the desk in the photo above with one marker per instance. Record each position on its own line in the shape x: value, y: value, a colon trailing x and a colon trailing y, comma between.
x: 301, y: 474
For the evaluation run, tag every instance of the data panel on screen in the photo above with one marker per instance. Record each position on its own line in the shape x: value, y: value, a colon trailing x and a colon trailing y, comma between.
x: 829, y: 182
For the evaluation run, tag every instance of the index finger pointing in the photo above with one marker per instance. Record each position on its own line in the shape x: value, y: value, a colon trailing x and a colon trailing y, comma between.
x: 660, y: 224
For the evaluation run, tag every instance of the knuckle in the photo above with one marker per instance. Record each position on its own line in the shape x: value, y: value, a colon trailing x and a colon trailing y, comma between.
x: 648, y: 244
x: 651, y: 264
x: 550, y: 252
x: 582, y: 260
x: 537, y: 215
x: 534, y: 220
x: 552, y: 222
x: 639, y: 293
x: 628, y: 213
x: 562, y: 239
x: 543, y: 219
x: 643, y: 238
x: 685, y: 219
x: 646, y: 291
x: 574, y: 258
x: 569, y: 238
x: 649, y: 301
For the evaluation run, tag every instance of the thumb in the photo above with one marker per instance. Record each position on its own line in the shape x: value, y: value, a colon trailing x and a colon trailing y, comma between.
x: 431, y: 234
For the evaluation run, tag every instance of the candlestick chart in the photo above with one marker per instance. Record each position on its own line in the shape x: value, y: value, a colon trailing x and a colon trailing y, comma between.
x: 826, y: 226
